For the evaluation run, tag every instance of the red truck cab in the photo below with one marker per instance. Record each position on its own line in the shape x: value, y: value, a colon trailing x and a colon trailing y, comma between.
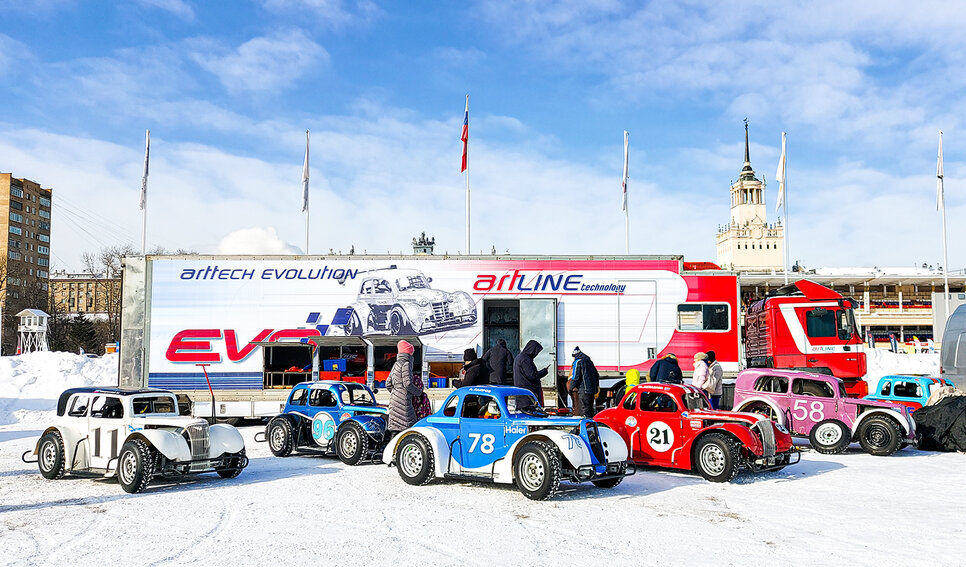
x: 807, y: 326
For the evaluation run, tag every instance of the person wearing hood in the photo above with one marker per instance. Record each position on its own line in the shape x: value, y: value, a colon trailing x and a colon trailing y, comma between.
x: 500, y: 362
x: 667, y: 370
x: 474, y: 371
x: 402, y: 389
x: 714, y: 384
x: 584, y: 382
x: 525, y: 373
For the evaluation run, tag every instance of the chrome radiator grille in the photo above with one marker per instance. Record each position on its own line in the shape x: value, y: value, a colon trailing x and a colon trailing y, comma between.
x: 199, y: 443
x: 766, y: 431
x: 442, y: 313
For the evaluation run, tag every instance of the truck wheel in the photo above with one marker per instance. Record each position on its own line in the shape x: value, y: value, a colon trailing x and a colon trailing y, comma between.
x: 232, y: 466
x: 537, y: 470
x: 830, y: 437
x: 352, y: 443
x: 399, y: 322
x: 880, y: 436
x: 51, y: 456
x: 716, y: 457
x: 354, y: 327
x: 279, y: 433
x: 135, y: 466
x: 414, y: 458
x: 611, y: 482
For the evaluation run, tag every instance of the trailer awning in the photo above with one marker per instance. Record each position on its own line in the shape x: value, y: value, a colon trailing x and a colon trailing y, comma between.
x: 391, y: 340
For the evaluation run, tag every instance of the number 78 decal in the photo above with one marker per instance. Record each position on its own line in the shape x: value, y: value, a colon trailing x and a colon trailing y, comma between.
x: 486, y: 447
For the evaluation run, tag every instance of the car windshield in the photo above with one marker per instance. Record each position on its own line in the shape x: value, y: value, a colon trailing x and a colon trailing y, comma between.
x: 696, y: 401
x: 524, y: 404
x: 154, y: 404
x: 357, y: 395
x: 412, y: 282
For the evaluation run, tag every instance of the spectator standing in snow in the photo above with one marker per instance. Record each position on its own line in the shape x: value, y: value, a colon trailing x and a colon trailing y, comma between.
x: 700, y: 370
x: 666, y: 370
x: 402, y: 389
x: 500, y: 362
x: 525, y: 373
x: 584, y: 383
x: 474, y: 371
x: 713, y: 385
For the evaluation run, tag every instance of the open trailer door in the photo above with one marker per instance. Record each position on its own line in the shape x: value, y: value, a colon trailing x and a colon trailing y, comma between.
x: 538, y: 321
x: 381, y: 355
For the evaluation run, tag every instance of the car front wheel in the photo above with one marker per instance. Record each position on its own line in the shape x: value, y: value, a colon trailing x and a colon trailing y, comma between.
x: 233, y: 465
x: 880, y: 436
x: 716, y: 457
x: 135, y: 466
x: 830, y: 437
x: 537, y: 470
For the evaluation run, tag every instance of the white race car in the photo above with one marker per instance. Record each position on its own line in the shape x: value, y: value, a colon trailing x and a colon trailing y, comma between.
x: 136, y: 435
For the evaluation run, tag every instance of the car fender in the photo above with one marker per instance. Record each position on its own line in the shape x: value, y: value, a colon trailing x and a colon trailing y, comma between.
x: 908, y: 426
x: 168, y: 443
x: 224, y: 439
x: 72, y: 441
x: 614, y: 444
x: 436, y: 440
x: 373, y: 425
x: 775, y: 407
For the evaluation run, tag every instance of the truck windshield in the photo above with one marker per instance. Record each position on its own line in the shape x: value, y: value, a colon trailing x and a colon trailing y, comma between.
x: 846, y: 324
x: 412, y: 282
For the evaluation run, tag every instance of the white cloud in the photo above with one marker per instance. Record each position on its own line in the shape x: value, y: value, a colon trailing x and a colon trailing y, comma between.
x: 179, y: 8
x: 255, y: 240
x: 271, y: 64
x: 330, y: 13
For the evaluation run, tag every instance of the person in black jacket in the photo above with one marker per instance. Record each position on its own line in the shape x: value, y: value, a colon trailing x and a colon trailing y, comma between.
x: 525, y: 373
x: 474, y: 371
x: 500, y: 362
x: 667, y: 370
x: 585, y: 382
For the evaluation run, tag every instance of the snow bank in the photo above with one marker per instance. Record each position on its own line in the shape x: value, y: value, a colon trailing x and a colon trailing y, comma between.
x: 883, y: 362
x: 31, y: 383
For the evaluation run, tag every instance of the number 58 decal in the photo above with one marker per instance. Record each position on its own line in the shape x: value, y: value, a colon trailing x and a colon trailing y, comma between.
x: 816, y: 414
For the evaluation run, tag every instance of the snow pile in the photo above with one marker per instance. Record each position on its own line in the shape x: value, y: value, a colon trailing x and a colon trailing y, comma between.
x: 883, y: 362
x: 31, y: 383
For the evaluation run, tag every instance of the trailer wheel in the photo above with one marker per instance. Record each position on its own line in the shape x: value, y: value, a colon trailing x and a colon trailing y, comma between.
x: 279, y: 433
x: 352, y: 443
x: 880, y: 436
x: 51, y: 456
x: 399, y: 322
x: 135, y: 466
x: 716, y: 457
x: 537, y: 470
x: 830, y: 437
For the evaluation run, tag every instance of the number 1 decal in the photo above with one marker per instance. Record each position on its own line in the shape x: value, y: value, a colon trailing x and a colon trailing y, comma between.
x: 660, y: 436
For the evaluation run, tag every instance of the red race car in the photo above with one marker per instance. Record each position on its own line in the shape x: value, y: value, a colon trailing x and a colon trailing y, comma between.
x: 673, y: 426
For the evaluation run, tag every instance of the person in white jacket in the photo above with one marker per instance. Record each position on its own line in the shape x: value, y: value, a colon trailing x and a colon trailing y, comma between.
x: 700, y: 370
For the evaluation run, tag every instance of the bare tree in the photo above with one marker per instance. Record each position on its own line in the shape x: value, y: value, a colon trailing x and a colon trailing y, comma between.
x: 105, y: 268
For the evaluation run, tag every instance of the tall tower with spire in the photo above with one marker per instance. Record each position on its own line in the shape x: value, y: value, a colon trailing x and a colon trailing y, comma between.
x: 748, y: 243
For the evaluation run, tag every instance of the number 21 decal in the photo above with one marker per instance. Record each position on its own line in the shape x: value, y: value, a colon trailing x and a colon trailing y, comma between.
x: 659, y: 436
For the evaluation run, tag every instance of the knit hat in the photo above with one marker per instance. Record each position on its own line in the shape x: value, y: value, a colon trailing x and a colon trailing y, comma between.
x: 404, y: 348
x: 576, y: 351
x: 469, y: 355
x: 699, y: 356
x: 711, y: 356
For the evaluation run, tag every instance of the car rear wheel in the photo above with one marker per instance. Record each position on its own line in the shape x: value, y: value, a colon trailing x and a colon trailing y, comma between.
x: 716, y: 457
x: 135, y: 466
x: 414, y: 459
x: 880, y: 436
x: 279, y: 433
x: 537, y: 470
x: 398, y: 322
x: 51, y: 456
x: 352, y: 443
x: 830, y: 437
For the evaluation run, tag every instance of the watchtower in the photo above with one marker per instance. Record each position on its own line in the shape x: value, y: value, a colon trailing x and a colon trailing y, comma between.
x: 32, y: 331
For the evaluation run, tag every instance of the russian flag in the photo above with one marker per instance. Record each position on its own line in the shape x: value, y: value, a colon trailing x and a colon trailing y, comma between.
x: 465, y: 136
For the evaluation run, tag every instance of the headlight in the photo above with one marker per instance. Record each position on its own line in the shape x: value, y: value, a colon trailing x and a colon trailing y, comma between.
x: 422, y: 301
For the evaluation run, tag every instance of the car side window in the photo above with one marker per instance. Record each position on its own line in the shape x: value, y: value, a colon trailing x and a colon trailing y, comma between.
x: 886, y: 389
x: 450, y: 409
x: 107, y: 407
x: 298, y: 397
x: 630, y: 402
x: 657, y: 401
x: 382, y: 286
x: 906, y: 390
x: 816, y: 388
x: 475, y: 406
x: 322, y: 398
x: 78, y: 408
x: 366, y: 287
x: 775, y: 384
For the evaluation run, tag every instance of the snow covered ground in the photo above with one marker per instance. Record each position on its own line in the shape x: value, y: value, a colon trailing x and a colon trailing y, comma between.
x: 850, y: 509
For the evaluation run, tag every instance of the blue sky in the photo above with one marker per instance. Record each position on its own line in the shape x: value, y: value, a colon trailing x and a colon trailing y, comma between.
x: 228, y: 89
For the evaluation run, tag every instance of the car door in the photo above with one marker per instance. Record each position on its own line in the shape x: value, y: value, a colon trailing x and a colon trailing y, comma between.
x: 811, y: 402
x: 106, y: 430
x: 481, y: 433
x: 659, y: 422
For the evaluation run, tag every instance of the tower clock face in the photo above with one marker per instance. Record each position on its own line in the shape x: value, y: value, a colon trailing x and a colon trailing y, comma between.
x: 758, y: 232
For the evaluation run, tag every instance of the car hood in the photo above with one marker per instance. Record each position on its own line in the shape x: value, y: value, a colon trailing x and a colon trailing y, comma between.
x: 430, y: 295
x: 715, y: 415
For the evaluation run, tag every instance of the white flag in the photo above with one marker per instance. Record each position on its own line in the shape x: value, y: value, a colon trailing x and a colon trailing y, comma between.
x: 624, y: 178
x: 305, y: 175
x: 144, y: 178
x: 780, y: 177
x: 940, y: 204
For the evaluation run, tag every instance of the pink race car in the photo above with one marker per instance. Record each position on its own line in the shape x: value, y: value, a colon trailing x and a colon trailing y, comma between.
x: 816, y: 405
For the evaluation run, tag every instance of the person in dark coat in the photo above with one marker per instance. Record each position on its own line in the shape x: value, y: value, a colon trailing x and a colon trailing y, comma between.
x: 525, y: 373
x: 500, y: 362
x: 474, y: 371
x: 585, y: 382
x: 667, y: 370
x: 402, y: 389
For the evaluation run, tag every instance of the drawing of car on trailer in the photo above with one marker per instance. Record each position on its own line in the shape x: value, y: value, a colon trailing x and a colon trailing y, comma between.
x: 501, y: 435
x: 136, y: 435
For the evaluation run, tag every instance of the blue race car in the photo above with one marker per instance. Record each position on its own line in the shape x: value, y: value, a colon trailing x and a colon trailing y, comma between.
x: 329, y: 417
x: 501, y: 434
x: 910, y: 391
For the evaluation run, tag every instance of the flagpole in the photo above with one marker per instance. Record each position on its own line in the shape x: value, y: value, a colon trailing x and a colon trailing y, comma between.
x: 144, y: 192
x: 782, y: 201
x: 942, y: 207
x: 627, y: 222
x: 465, y: 138
x: 305, y: 190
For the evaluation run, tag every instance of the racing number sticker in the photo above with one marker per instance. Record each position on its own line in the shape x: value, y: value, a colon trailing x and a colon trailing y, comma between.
x: 660, y: 436
x: 323, y: 428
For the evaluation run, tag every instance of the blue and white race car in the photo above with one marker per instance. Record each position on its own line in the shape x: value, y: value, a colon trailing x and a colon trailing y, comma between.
x: 501, y: 434
x: 329, y: 417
